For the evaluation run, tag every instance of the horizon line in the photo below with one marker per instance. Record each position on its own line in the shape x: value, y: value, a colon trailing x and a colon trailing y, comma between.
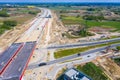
x: 60, y: 2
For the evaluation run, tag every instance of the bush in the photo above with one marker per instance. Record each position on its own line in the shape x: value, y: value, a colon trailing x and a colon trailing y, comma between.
x: 84, y: 33
x: 62, y: 16
x: 63, y: 11
x: 3, y: 14
x: 90, y: 9
x: 89, y: 68
x: 2, y: 31
x: 33, y: 12
x: 10, y: 23
x: 90, y: 17
x: 118, y: 47
x: 6, y: 27
x: 117, y: 60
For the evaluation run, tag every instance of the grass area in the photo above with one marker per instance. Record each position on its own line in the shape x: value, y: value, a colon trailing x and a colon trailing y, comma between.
x: 72, y: 60
x: 67, y: 52
x: 24, y: 18
x: 71, y: 20
x: 90, y: 23
x: 111, y: 37
x: 20, y: 19
x: 20, y: 15
x: 93, y: 71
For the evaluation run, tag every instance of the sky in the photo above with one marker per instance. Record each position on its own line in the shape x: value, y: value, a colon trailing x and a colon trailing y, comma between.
x: 59, y: 0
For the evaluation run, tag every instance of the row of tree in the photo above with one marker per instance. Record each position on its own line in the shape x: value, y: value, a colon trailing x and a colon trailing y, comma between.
x: 91, y: 17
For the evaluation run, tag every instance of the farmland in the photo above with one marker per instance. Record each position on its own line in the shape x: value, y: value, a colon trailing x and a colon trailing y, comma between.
x: 67, y: 20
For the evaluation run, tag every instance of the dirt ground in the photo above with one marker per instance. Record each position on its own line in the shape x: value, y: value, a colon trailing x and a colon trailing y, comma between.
x: 112, y: 69
x: 56, y: 32
x: 12, y: 35
x: 100, y: 29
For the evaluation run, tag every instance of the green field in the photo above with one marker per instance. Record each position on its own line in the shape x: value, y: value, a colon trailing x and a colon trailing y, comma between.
x: 67, y: 52
x: 93, y: 71
x: 90, y: 23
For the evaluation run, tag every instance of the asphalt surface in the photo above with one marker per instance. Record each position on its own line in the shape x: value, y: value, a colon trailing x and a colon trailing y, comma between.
x: 53, y: 73
x: 8, y: 54
x: 81, y: 54
x: 72, y: 56
x: 82, y: 44
x: 39, y: 20
x: 18, y: 65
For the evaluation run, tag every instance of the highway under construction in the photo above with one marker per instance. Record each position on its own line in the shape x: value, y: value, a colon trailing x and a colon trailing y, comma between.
x: 14, y: 59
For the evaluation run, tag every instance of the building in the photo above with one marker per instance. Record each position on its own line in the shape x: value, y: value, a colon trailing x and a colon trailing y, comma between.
x: 73, y: 74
